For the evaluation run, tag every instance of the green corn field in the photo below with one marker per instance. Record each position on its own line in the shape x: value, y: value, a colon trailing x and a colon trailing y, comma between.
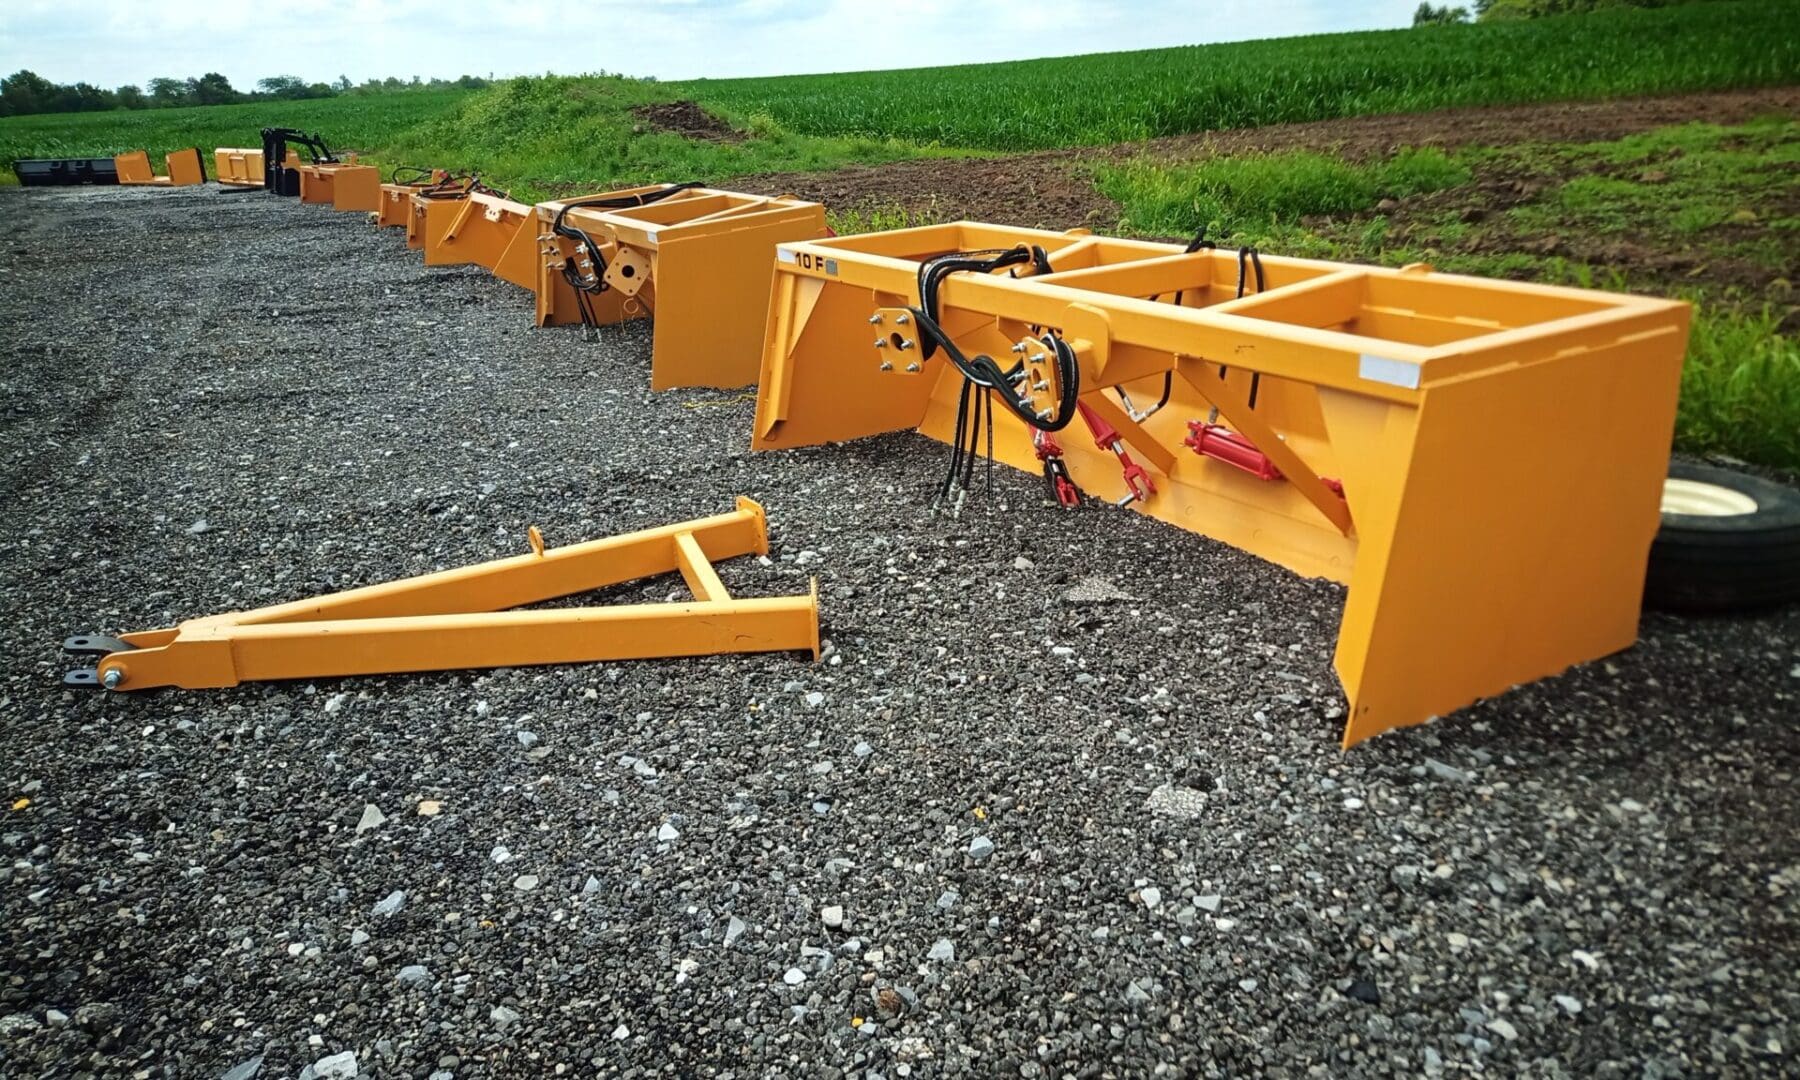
x: 1119, y: 97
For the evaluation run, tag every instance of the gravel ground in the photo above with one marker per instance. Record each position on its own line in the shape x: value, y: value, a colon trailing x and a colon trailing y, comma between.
x: 996, y: 832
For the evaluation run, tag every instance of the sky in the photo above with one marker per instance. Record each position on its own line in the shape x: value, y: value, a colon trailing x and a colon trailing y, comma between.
x: 116, y: 42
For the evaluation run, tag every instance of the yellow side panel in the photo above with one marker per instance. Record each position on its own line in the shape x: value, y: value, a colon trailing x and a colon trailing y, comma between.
x: 357, y: 188
x: 1505, y: 526
x: 134, y: 168
x: 712, y: 294
x: 186, y: 168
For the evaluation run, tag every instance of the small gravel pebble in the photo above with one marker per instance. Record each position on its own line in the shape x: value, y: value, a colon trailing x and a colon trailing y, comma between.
x: 372, y: 818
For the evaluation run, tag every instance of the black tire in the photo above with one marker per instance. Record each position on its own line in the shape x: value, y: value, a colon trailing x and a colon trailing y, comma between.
x: 1705, y: 564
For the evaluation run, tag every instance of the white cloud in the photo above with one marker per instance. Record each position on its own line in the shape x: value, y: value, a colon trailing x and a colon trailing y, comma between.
x: 111, y: 43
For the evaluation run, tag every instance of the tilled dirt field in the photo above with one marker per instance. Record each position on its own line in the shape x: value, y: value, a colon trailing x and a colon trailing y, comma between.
x: 1049, y: 189
x: 217, y: 401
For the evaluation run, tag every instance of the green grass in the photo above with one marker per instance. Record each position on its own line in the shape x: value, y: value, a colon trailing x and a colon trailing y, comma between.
x: 557, y: 134
x: 359, y: 122
x: 1259, y: 192
x: 1118, y: 97
x: 876, y: 217
x: 1740, y: 390
x: 553, y: 135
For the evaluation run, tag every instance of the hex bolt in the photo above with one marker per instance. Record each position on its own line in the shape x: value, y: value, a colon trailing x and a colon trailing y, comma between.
x: 903, y: 319
x: 885, y: 366
x: 881, y: 343
x: 912, y: 367
x: 112, y: 679
x: 1041, y: 385
x: 1043, y: 414
x: 875, y: 319
x: 1019, y: 347
x: 906, y: 343
x: 1038, y: 358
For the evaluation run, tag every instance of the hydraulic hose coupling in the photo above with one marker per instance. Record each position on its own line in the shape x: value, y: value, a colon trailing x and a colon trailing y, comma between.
x: 1056, y: 471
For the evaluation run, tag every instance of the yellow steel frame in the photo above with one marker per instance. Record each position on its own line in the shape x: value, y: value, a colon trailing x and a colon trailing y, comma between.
x: 454, y: 618
x: 420, y: 220
x: 1500, y: 446
x: 185, y: 169
x: 394, y: 208
x: 243, y: 167
x: 489, y: 230
x: 702, y: 255
x: 345, y: 185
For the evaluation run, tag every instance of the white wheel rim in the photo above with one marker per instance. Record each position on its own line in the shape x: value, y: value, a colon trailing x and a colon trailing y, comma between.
x: 1700, y: 499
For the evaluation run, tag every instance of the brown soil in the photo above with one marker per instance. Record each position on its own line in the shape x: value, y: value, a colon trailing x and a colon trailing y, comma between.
x: 1048, y: 189
x: 687, y: 119
x: 1653, y: 259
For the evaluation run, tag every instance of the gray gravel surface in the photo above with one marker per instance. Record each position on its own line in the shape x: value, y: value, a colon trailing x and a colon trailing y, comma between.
x: 995, y: 832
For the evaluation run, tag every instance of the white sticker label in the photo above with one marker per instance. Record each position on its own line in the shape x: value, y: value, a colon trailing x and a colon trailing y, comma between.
x: 786, y: 255
x: 1380, y: 369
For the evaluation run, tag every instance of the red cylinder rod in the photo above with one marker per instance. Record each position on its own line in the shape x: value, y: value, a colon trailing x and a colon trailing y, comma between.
x: 1222, y: 444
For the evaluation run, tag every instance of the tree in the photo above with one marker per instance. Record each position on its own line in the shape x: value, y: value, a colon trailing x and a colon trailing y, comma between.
x: 130, y: 97
x: 84, y: 97
x: 282, y: 86
x: 342, y: 84
x: 165, y: 93
x: 1427, y: 15
x: 212, y: 88
x: 26, y: 93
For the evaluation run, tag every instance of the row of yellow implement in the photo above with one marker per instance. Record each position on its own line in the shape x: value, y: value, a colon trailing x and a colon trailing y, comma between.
x: 1480, y: 462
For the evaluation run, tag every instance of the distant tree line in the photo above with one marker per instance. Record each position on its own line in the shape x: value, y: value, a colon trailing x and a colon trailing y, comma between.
x: 27, y: 92
x: 1494, y: 10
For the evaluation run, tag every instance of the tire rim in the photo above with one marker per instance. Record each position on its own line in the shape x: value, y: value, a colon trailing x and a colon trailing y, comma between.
x: 1697, y: 498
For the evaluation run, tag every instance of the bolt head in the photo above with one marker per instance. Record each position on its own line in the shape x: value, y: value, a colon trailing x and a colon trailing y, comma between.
x: 881, y: 343
x: 112, y: 679
x: 875, y: 320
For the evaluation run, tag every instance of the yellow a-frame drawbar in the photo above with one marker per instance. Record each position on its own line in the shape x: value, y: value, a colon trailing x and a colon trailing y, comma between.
x: 455, y: 618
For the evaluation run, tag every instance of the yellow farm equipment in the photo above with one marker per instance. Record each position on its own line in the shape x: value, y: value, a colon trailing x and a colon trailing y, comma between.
x: 276, y: 167
x: 343, y: 185
x: 421, y: 219
x: 698, y: 252
x: 394, y: 205
x: 1481, y: 462
x: 240, y: 167
x: 484, y: 228
x: 457, y: 618
x: 185, y: 169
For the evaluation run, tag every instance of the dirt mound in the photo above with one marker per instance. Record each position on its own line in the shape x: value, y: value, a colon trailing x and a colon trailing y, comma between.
x: 687, y: 119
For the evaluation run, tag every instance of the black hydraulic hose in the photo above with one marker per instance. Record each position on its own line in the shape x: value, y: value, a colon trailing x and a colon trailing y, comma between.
x: 1255, y: 260
x: 596, y: 282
